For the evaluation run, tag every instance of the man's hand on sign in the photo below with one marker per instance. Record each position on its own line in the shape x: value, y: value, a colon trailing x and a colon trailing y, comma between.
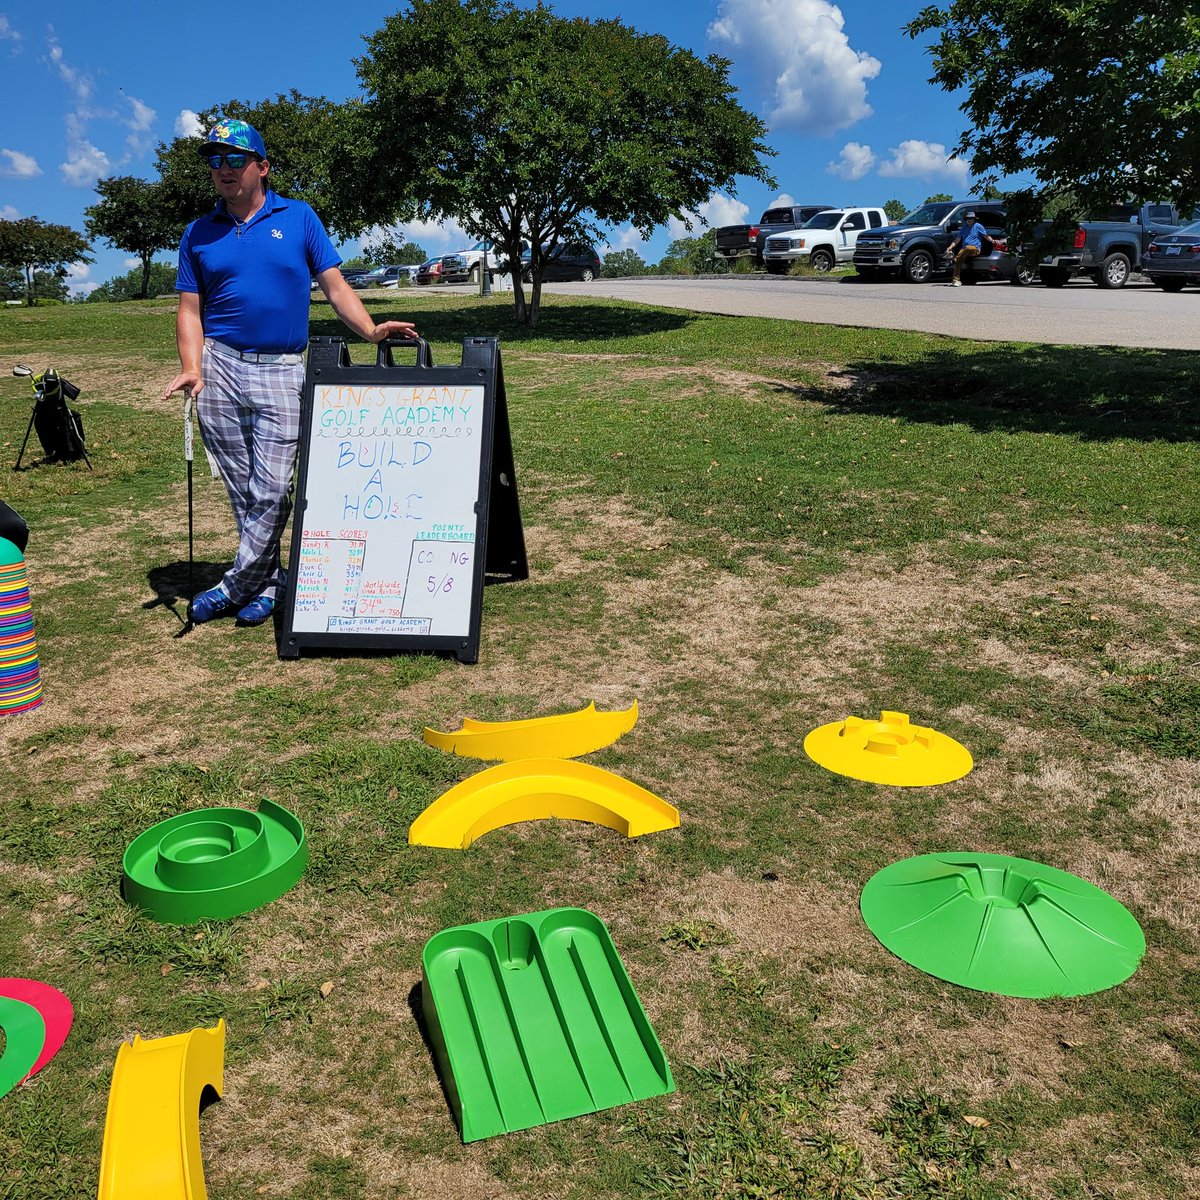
x: 393, y: 329
x: 187, y: 381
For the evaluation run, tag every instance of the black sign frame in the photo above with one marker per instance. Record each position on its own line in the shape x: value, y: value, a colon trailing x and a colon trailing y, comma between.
x: 500, y: 554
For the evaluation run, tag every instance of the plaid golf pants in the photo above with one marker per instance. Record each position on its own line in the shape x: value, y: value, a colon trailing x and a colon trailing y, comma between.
x: 250, y: 419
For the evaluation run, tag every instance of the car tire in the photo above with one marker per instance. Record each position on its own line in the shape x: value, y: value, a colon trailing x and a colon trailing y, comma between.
x: 1114, y: 272
x: 587, y: 275
x: 1024, y: 276
x: 821, y: 260
x: 1168, y: 283
x: 1054, y: 277
x: 918, y: 266
x: 473, y: 276
x: 526, y: 276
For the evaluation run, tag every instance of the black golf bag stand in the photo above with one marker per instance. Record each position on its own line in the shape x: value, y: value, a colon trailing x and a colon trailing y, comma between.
x: 59, y: 428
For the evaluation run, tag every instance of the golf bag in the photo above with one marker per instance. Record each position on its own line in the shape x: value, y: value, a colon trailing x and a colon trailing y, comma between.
x: 59, y: 427
x: 13, y: 528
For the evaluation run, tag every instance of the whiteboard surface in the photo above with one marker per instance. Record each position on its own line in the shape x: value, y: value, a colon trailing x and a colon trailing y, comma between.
x: 388, y: 534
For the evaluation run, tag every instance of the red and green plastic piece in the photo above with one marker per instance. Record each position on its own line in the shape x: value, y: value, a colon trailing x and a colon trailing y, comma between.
x: 214, y: 863
x: 1003, y: 925
x: 533, y: 1019
x: 36, y: 1019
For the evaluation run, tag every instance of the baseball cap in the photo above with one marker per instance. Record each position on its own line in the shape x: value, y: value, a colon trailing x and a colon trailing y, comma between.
x: 237, y: 135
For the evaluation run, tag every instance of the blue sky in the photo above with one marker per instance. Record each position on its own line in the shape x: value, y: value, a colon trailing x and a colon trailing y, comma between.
x: 97, y: 85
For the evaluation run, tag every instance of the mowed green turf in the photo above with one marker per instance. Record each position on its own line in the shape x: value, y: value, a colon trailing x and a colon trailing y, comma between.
x: 744, y: 524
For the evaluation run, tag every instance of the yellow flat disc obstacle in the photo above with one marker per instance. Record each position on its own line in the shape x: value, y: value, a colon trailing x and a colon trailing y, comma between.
x: 891, y: 750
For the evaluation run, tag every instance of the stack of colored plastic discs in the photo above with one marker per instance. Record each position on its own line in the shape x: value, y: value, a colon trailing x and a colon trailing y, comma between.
x: 20, y: 676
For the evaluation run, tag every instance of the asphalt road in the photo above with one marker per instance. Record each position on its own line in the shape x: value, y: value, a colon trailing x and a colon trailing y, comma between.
x: 1080, y: 314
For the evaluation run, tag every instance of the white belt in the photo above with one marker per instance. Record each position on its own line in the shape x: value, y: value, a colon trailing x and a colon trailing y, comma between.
x: 286, y: 360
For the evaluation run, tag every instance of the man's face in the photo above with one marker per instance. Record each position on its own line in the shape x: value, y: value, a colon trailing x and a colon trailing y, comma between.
x: 243, y: 183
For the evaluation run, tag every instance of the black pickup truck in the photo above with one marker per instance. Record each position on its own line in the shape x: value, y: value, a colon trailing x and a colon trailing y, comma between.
x: 916, y: 247
x: 1110, y: 248
x: 741, y: 241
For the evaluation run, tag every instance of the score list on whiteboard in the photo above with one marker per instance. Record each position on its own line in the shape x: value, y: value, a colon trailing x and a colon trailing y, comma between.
x: 388, y: 535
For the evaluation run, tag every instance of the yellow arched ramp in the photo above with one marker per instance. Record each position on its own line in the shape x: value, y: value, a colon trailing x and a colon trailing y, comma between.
x: 565, y: 735
x: 533, y: 789
x: 151, y: 1145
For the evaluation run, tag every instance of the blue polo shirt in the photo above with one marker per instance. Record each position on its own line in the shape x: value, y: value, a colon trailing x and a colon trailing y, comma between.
x: 254, y: 280
x: 974, y: 235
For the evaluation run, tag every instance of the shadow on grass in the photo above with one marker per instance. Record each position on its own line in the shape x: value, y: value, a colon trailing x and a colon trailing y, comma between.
x: 176, y: 581
x: 574, y: 323
x: 1093, y: 393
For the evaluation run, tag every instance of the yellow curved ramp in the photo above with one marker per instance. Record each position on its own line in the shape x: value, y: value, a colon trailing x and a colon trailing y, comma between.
x: 152, y: 1134
x: 533, y: 789
x: 566, y: 735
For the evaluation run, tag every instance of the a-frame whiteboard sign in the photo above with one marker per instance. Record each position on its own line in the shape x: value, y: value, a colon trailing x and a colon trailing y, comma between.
x: 405, y: 496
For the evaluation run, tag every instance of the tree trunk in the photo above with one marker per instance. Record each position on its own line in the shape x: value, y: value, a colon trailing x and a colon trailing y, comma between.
x: 519, y: 299
x: 29, y: 297
x: 145, y: 276
x: 535, y: 301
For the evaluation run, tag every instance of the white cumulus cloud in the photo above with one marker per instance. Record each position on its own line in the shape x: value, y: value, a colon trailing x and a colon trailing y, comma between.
x: 783, y: 200
x: 854, y: 161
x: 187, y: 124
x: 85, y: 162
x: 8, y: 213
x: 917, y: 159
x: 7, y: 32
x: 20, y: 166
x: 79, y: 82
x: 625, y: 238
x: 716, y: 211
x: 140, y: 121
x: 818, y: 80
x: 77, y: 272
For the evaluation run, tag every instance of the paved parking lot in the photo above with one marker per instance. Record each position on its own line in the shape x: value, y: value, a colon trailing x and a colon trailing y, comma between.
x: 1079, y: 314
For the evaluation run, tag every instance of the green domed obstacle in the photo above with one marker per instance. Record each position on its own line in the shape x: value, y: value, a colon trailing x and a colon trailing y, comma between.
x: 1003, y: 925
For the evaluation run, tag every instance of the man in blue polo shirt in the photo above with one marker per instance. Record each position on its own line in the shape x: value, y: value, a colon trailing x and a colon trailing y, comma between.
x: 969, y: 244
x: 241, y: 330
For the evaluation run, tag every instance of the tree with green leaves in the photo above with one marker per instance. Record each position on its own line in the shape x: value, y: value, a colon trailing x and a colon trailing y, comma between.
x: 1097, y: 97
x: 136, y: 216
x: 304, y: 136
x: 938, y: 198
x: 46, y: 285
x: 694, y: 256
x: 390, y: 247
x: 895, y: 211
x: 524, y: 125
x: 30, y: 246
x: 624, y: 262
x: 136, y: 285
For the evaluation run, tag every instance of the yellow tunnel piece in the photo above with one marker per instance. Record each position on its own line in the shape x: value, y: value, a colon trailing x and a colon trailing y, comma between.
x: 566, y: 735
x: 152, y: 1135
x: 891, y: 750
x: 533, y: 789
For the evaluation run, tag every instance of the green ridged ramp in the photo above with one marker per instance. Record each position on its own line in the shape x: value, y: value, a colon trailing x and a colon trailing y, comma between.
x: 533, y: 1019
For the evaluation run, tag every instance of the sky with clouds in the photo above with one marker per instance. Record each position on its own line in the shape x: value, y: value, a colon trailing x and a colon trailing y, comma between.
x: 842, y: 90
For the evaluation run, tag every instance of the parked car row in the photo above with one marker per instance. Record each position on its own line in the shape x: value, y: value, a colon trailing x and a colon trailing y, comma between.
x: 566, y: 261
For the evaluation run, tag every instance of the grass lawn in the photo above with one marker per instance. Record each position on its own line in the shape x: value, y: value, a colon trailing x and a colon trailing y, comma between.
x: 752, y: 528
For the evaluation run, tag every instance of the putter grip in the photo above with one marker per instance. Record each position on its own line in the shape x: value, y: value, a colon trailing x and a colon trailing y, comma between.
x: 187, y: 427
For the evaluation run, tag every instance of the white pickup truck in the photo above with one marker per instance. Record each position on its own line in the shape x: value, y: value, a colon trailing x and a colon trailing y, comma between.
x: 823, y: 241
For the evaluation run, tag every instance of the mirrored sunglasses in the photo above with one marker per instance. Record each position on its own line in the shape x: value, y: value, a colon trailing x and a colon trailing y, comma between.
x: 236, y: 160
